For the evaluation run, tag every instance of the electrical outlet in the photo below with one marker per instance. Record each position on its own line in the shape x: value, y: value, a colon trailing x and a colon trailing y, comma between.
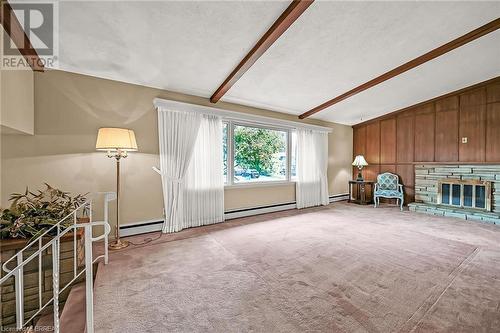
x: 465, y: 139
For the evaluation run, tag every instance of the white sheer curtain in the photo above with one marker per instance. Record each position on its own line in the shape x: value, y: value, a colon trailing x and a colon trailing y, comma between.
x: 193, y: 195
x: 312, y: 165
x: 204, y: 184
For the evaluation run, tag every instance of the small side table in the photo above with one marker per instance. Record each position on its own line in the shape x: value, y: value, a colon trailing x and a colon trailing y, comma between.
x: 362, y: 198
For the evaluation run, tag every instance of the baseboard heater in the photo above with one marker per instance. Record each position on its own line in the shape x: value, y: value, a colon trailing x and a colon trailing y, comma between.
x: 156, y: 224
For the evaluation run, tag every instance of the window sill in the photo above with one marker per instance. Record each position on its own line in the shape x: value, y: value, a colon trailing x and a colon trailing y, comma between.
x: 260, y: 184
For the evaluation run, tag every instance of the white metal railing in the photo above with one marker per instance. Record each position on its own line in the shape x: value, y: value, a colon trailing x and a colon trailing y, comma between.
x: 54, y: 243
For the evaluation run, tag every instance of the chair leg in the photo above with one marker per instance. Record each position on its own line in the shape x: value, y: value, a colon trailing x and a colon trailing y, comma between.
x: 375, y: 200
x: 402, y: 200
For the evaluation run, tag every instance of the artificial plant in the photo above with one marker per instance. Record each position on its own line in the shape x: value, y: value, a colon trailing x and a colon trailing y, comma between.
x: 31, y: 214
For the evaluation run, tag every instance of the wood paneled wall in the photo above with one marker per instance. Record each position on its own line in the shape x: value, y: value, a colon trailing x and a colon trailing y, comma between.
x: 433, y: 132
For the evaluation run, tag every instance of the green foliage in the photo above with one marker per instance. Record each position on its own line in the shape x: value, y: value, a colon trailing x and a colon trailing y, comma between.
x: 255, y: 148
x: 31, y: 214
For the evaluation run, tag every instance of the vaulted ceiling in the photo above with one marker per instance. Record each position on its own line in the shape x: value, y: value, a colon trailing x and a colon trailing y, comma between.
x: 192, y: 46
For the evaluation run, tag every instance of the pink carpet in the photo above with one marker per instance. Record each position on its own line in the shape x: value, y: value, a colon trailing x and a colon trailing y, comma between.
x: 341, y: 268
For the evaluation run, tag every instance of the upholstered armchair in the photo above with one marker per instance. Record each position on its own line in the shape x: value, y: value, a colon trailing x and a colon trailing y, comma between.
x: 388, y: 186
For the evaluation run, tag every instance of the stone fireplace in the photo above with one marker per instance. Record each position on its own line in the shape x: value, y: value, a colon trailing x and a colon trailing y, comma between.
x: 471, y: 192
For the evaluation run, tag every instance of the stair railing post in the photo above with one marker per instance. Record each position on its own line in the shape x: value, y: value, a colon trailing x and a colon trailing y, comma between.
x: 18, y: 280
x: 55, y: 281
x: 106, y: 220
x: 89, y: 297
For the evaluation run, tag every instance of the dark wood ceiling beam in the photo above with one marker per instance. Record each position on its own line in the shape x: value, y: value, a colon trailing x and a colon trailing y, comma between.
x: 296, y: 8
x: 16, y: 32
x: 467, y: 38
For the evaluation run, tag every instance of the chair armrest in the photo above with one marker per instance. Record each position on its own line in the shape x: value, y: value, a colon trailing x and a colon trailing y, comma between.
x: 375, y: 188
x: 400, y: 188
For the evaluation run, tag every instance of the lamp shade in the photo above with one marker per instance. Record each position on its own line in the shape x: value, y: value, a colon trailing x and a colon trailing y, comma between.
x: 359, y: 161
x: 109, y: 138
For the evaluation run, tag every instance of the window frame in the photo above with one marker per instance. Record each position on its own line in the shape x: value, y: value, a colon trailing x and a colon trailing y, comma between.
x: 230, y: 183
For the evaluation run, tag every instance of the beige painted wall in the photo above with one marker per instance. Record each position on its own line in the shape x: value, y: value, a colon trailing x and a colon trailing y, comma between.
x: 69, y: 109
x: 16, y: 98
x: 17, y: 101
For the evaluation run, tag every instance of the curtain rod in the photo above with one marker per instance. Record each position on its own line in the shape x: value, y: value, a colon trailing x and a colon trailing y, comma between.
x: 160, y: 103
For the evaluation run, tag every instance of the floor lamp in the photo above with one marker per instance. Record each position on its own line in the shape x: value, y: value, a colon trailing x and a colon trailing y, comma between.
x: 117, y: 142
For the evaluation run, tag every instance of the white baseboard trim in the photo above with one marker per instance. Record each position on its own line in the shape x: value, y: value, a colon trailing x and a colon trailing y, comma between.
x: 143, y: 227
x: 258, y: 210
x: 339, y: 197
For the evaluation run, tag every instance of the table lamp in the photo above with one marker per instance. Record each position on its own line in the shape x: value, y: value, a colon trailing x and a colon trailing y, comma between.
x: 360, y: 162
x: 117, y: 142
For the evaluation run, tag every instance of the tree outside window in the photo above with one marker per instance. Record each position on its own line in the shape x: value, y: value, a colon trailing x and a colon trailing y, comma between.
x: 259, y: 154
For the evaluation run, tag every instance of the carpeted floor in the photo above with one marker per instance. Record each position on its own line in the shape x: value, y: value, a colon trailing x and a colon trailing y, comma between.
x: 341, y: 268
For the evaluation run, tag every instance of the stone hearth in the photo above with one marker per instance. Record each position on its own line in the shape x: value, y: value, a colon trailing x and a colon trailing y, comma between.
x: 428, y: 178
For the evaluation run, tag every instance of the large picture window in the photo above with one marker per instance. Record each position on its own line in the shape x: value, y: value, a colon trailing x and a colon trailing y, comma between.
x: 257, y: 154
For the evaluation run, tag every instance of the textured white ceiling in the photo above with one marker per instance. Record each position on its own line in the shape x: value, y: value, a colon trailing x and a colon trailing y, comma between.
x: 183, y: 46
x: 191, y: 47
